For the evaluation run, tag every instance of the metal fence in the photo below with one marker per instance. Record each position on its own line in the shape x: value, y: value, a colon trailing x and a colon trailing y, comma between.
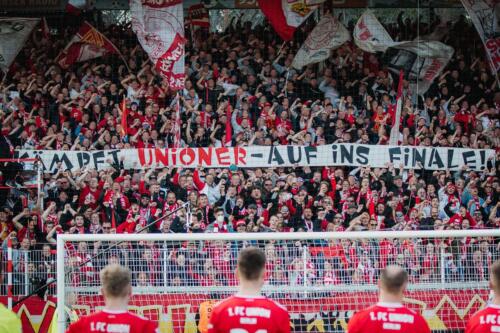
x: 295, y: 264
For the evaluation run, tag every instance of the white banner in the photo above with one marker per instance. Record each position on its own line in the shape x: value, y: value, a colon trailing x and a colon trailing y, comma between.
x: 159, y: 26
x: 486, y: 18
x: 422, y: 61
x: 328, y: 35
x: 267, y: 156
x: 13, y: 34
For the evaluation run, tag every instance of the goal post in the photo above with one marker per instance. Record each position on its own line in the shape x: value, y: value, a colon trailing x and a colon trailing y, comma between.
x: 322, y: 278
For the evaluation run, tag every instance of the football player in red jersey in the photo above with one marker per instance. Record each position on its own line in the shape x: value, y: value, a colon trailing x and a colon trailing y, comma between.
x: 488, y: 319
x: 116, y: 289
x: 248, y: 311
x: 389, y: 314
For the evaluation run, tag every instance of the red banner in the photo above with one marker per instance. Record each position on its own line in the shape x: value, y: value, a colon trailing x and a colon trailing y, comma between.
x: 443, y: 309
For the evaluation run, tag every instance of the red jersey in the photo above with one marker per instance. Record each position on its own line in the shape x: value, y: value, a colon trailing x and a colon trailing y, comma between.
x: 252, y: 314
x: 387, y: 317
x: 485, y: 321
x: 113, y: 321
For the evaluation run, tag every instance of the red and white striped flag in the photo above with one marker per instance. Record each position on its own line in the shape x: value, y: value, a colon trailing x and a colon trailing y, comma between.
x: 124, y: 120
x: 371, y: 202
x: 45, y: 28
x: 229, y: 129
x: 177, y: 125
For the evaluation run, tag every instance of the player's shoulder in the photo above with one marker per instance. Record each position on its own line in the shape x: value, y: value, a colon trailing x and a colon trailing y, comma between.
x: 274, y: 305
x: 489, y: 309
x: 365, y: 311
x: 136, y: 317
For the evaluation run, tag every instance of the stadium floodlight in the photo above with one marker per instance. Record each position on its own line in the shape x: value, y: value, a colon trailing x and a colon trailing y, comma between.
x: 322, y: 278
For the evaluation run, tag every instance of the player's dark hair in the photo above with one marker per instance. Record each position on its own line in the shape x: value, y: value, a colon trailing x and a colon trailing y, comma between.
x: 495, y: 276
x: 251, y: 262
x: 393, y: 278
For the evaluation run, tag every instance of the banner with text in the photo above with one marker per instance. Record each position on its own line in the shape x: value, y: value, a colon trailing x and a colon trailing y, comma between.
x: 267, y: 156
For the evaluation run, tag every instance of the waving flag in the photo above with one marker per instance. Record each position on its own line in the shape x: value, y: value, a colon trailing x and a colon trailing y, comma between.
x: 198, y: 16
x: 286, y: 15
x: 124, y: 117
x: 159, y: 26
x: 422, y: 61
x: 396, y: 121
x: 370, y: 35
x: 229, y: 129
x: 76, y: 7
x: 328, y: 35
x: 486, y: 18
x: 87, y: 44
x: 177, y: 125
x: 13, y: 34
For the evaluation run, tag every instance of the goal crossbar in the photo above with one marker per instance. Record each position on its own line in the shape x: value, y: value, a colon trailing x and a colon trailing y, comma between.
x: 280, y: 236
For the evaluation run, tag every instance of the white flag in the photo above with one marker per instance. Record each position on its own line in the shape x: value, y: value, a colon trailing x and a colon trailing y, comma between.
x: 486, y: 18
x: 422, y: 61
x: 328, y: 35
x: 370, y: 35
x: 396, y: 123
x: 159, y: 26
x: 13, y: 34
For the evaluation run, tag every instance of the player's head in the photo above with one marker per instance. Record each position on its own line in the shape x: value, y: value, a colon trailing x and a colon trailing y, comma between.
x: 495, y: 277
x: 251, y: 265
x: 115, y: 282
x: 393, y: 280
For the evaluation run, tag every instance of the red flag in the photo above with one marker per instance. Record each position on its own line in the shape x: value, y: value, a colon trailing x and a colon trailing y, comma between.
x: 124, y: 117
x: 285, y: 17
x: 113, y: 219
x: 229, y: 130
x: 88, y: 43
x: 371, y: 203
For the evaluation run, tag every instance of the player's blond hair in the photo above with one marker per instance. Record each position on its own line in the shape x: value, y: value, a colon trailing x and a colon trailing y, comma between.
x: 115, y: 280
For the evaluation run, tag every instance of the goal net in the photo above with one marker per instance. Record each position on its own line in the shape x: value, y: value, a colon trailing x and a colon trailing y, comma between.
x: 322, y: 278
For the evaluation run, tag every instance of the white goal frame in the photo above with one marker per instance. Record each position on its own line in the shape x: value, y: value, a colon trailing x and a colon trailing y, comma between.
x: 435, y: 234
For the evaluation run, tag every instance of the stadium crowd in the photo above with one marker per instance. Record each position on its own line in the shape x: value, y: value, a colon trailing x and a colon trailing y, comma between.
x: 348, y: 99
